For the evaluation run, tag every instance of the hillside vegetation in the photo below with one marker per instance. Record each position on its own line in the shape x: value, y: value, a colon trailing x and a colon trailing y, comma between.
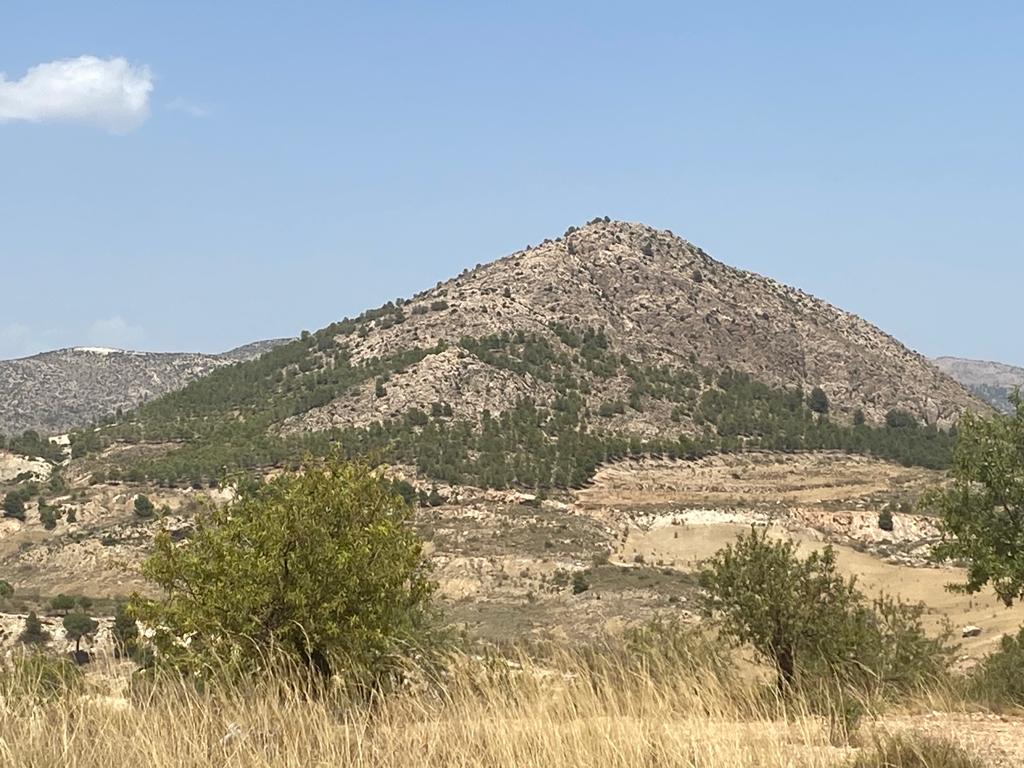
x: 55, y: 391
x: 615, y: 340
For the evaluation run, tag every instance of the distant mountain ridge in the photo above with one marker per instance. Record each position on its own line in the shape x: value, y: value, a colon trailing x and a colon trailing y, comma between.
x: 992, y: 382
x: 55, y: 391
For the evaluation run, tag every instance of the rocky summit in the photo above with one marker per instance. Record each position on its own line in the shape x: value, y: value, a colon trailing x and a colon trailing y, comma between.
x: 657, y: 298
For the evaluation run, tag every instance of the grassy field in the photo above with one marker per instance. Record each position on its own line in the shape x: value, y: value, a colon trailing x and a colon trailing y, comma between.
x: 611, y: 708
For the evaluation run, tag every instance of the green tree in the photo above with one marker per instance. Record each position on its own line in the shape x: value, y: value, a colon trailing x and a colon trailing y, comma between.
x: 62, y: 603
x: 321, y: 566
x: 817, y: 401
x: 885, y: 521
x: 78, y: 625
x: 804, y: 617
x: 125, y: 632
x: 34, y: 633
x: 982, y: 509
x: 783, y: 605
x: 14, y: 506
x: 143, y: 506
x: 48, y: 517
x: 6, y: 590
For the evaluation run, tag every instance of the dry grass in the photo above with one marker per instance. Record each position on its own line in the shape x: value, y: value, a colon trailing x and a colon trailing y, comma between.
x: 571, y: 709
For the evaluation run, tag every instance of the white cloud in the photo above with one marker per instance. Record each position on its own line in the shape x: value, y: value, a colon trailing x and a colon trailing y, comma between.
x: 110, y: 93
x: 188, y: 107
x: 115, y: 332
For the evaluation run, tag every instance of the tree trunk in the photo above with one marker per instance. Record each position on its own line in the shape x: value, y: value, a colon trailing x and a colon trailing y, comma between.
x: 786, y: 667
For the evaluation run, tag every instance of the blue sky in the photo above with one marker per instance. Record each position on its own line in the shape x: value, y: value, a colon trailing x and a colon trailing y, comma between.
x: 258, y: 168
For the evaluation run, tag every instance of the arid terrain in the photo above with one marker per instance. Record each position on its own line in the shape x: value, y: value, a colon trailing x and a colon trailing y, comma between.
x: 505, y: 560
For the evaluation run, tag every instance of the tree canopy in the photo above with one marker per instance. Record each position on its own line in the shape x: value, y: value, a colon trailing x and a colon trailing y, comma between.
x: 983, y: 507
x: 320, y: 566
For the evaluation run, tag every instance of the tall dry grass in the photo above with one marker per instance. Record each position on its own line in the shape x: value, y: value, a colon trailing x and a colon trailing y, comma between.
x: 560, y: 709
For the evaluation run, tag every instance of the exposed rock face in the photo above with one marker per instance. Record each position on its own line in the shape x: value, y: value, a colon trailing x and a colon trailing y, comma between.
x: 993, y: 382
x: 55, y: 391
x: 659, y: 299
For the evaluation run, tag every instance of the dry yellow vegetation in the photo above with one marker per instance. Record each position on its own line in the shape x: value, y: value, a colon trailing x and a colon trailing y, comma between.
x: 573, y: 709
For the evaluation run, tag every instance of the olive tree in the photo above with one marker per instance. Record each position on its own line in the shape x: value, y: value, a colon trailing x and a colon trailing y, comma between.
x: 982, y: 509
x: 804, y: 617
x: 321, y: 566
x: 78, y: 625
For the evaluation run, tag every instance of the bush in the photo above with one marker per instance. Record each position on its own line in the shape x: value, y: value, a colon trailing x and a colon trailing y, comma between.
x: 579, y: 583
x: 321, y: 567
x: 48, y: 517
x: 999, y: 680
x: 143, y: 506
x: 6, y: 590
x: 14, y: 506
x: 34, y: 633
x: 124, y: 632
x: 915, y: 751
x: 885, y: 519
x: 62, y: 603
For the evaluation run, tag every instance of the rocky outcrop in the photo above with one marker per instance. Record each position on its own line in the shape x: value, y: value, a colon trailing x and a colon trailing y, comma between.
x: 659, y: 299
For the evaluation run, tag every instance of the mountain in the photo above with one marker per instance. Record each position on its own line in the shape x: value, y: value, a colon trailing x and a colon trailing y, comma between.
x: 53, y: 392
x: 992, y: 382
x: 614, y: 339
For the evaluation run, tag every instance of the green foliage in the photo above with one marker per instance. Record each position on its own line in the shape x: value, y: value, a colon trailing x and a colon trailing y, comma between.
x: 580, y: 583
x: 885, y: 521
x: 915, y: 750
x: 983, y: 508
x: 897, y: 419
x: 228, y: 422
x: 143, y: 506
x: 33, y: 633
x: 817, y: 401
x: 814, y: 625
x: 6, y: 590
x: 39, y: 676
x: 14, y: 506
x: 62, y: 603
x: 998, y: 681
x: 48, y: 517
x: 320, y: 566
x: 124, y: 632
x: 79, y: 625
x: 32, y: 444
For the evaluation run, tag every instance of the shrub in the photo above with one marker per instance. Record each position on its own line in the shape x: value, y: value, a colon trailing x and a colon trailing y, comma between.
x: 48, y: 517
x: 321, y: 567
x: 579, y: 583
x: 915, y: 751
x: 885, y: 519
x: 143, y: 506
x: 14, y: 506
x: 6, y: 590
x: 62, y: 603
x: 34, y: 633
x: 999, y: 678
x: 124, y: 632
